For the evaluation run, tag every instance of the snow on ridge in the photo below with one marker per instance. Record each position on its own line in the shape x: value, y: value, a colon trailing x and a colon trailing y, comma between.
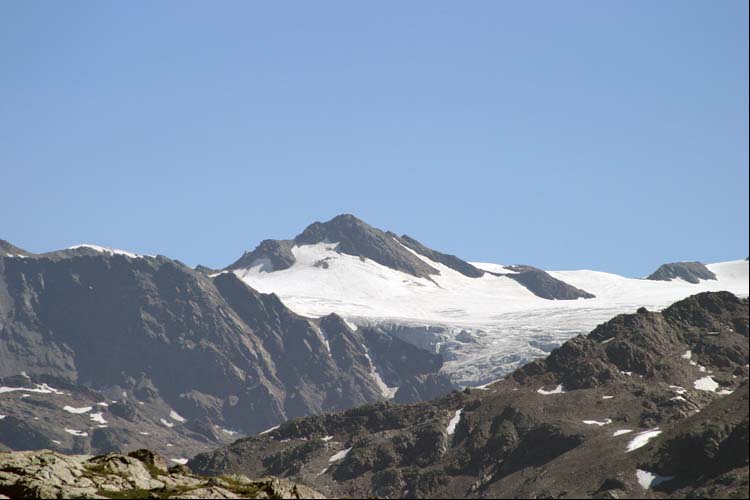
x: 269, y: 430
x: 77, y: 433
x: 108, y: 250
x: 39, y: 389
x: 451, y: 429
x: 642, y: 438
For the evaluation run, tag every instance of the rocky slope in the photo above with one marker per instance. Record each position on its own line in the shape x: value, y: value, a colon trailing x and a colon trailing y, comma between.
x: 104, y: 350
x: 648, y: 405
x: 140, y: 474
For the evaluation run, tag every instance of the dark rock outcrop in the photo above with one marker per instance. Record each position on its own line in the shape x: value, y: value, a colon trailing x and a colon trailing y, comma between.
x: 692, y: 272
x: 541, y: 284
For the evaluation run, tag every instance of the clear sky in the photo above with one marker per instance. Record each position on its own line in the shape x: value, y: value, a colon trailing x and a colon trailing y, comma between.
x: 605, y: 135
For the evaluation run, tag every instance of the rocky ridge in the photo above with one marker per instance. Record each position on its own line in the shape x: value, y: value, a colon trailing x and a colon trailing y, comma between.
x: 140, y: 474
x: 648, y: 405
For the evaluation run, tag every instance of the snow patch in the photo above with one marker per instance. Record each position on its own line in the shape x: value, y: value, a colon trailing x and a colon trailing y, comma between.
x: 451, y: 429
x: 621, y: 432
x: 596, y: 422
x: 269, y: 430
x: 339, y: 456
x: 180, y: 461
x: 166, y: 423
x: 706, y: 384
x: 98, y: 417
x: 557, y: 390
x: 648, y: 480
x: 642, y: 438
x: 78, y: 411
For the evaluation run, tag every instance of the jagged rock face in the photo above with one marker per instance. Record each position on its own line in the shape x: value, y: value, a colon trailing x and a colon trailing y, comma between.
x: 692, y: 272
x: 647, y: 405
x: 141, y: 474
x: 541, y: 284
x: 149, y: 335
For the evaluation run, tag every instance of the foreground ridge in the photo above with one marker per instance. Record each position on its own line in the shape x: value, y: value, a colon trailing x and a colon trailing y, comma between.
x: 140, y: 474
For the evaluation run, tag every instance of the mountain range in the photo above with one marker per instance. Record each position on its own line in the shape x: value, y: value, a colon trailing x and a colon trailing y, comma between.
x: 104, y: 350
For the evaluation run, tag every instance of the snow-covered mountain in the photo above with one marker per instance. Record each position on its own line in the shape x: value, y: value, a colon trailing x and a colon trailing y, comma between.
x: 486, y: 319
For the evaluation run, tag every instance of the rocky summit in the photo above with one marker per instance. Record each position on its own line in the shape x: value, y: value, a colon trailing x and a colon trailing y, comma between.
x: 648, y: 405
x: 140, y: 474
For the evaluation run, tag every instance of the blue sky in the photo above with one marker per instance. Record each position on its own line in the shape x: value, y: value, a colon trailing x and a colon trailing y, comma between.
x: 606, y: 135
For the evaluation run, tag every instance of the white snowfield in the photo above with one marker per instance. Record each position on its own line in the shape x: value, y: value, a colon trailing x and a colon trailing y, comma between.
x: 509, y: 324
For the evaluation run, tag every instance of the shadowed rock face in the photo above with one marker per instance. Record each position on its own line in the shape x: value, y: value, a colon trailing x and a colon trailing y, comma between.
x: 141, y: 474
x: 692, y: 272
x: 541, y: 284
x: 149, y: 335
x: 567, y: 426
